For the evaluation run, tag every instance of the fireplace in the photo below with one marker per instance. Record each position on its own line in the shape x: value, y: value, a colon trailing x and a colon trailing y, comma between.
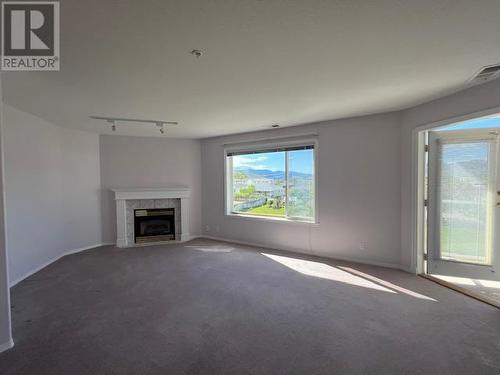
x: 128, y: 200
x: 154, y: 225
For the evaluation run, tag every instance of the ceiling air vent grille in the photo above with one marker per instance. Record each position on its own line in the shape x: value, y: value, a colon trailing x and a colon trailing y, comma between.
x: 487, y: 73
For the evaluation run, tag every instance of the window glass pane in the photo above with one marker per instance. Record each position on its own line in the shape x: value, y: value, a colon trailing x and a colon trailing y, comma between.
x: 463, y: 192
x: 258, y: 184
x: 300, y: 202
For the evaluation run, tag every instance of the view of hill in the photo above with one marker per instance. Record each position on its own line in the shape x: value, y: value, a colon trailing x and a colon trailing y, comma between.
x: 266, y: 173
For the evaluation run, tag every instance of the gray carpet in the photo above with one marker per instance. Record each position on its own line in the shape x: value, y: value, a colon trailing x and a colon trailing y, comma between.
x: 209, y: 307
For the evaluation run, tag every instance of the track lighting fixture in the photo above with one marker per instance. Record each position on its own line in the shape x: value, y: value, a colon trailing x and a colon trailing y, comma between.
x: 112, y: 120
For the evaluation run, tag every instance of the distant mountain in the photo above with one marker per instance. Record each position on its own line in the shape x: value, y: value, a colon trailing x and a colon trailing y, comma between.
x: 266, y: 173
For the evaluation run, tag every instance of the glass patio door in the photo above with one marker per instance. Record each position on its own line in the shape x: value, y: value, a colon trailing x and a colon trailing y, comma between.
x: 464, y: 191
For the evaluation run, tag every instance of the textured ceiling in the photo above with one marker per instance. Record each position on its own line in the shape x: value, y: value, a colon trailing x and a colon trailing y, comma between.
x: 274, y: 61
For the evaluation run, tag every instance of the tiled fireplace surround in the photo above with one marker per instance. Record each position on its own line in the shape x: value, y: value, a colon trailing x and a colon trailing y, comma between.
x: 127, y: 200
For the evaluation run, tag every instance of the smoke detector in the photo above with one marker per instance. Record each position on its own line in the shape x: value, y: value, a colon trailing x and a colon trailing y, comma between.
x: 487, y: 73
x: 196, y: 53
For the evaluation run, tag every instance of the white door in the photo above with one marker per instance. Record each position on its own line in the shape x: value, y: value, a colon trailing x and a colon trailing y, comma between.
x: 463, y: 208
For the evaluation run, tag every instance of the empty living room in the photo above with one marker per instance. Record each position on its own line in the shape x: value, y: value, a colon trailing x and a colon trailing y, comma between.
x: 299, y: 187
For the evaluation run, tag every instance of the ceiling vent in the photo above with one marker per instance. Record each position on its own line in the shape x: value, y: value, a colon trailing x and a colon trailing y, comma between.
x: 486, y: 74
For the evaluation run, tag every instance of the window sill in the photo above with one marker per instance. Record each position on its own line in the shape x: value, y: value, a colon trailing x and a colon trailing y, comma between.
x: 272, y: 219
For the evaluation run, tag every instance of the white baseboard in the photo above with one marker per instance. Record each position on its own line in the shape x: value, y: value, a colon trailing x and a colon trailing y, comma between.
x: 297, y: 251
x: 69, y: 252
x: 6, y: 345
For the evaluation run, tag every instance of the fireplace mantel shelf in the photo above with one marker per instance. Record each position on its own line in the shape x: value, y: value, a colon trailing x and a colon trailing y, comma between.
x: 122, y: 195
x: 152, y: 193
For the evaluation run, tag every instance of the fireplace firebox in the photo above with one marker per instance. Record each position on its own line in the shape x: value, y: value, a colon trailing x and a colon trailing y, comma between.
x: 154, y: 225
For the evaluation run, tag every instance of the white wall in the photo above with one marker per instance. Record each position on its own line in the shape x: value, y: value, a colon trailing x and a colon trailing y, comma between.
x: 52, y: 191
x: 5, y: 326
x: 359, y: 179
x: 135, y: 162
x: 472, y: 100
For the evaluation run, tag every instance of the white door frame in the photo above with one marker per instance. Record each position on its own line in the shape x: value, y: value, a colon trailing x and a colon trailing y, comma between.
x: 417, y: 190
x: 451, y: 267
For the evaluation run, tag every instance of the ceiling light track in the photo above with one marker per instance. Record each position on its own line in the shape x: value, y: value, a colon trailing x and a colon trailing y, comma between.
x: 112, y: 120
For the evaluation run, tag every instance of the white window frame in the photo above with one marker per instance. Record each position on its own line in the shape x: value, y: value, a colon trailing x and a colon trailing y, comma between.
x: 279, y: 143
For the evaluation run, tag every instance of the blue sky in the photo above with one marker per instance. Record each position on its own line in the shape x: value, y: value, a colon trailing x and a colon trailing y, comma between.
x: 299, y: 161
x: 485, y: 122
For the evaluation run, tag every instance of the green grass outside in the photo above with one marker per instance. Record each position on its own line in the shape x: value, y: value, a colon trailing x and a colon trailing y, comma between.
x: 265, y: 210
x: 462, y: 240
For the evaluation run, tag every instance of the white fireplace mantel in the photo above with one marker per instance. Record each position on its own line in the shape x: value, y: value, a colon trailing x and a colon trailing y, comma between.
x: 124, y: 195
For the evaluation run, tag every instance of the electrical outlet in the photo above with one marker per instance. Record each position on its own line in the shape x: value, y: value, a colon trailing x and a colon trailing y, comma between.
x: 362, y: 245
x: 207, y: 228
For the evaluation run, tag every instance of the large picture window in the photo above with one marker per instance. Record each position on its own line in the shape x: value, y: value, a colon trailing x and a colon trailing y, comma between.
x: 272, y: 182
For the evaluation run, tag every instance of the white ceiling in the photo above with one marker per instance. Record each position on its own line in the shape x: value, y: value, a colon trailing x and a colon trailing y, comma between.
x: 265, y: 61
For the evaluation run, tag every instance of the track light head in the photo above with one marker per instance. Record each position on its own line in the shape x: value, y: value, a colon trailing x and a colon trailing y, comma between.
x: 113, y: 125
x: 161, y: 126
